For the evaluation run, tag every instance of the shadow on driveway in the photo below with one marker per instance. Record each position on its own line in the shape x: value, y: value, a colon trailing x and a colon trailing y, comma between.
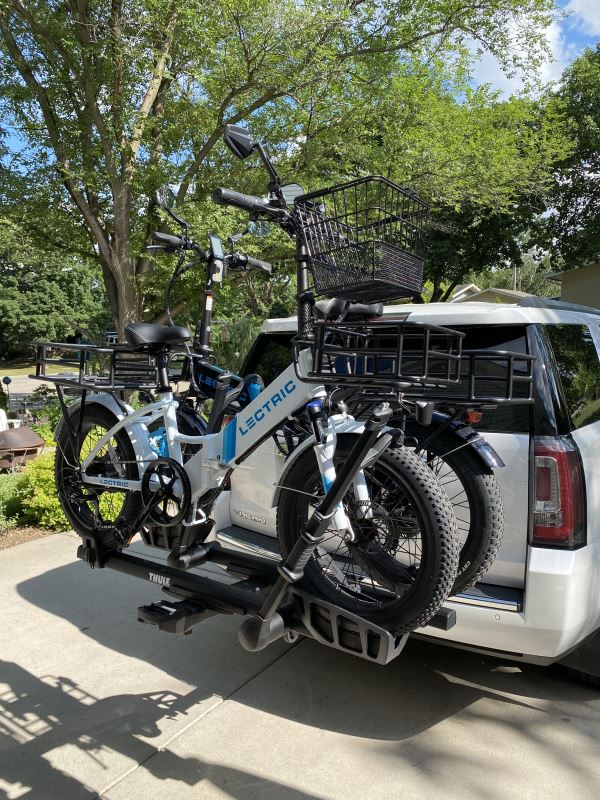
x: 310, y: 684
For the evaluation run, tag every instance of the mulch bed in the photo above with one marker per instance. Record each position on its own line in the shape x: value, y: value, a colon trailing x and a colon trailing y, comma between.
x: 9, y: 537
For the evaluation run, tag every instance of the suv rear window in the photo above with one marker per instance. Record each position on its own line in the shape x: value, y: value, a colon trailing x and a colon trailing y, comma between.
x: 579, y: 370
x: 270, y: 355
x: 504, y: 418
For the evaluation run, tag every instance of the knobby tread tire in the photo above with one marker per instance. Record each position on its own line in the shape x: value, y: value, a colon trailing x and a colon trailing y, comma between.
x: 82, y: 522
x: 490, y: 537
x: 483, y: 492
x: 437, y: 576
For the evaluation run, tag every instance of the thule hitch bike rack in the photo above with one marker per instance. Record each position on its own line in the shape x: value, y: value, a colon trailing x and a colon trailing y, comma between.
x: 266, y: 592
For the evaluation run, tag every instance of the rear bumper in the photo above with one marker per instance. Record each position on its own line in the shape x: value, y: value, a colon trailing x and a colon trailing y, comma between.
x: 560, y: 608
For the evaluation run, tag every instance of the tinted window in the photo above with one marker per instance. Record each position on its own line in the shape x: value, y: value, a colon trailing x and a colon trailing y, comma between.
x: 270, y: 355
x: 577, y: 364
x: 506, y: 418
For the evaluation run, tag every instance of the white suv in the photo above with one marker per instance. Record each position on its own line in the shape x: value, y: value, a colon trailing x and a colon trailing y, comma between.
x: 540, y: 601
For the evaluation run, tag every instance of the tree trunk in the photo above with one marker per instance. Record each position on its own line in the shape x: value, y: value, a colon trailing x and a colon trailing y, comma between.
x: 437, y: 292
x: 128, y: 307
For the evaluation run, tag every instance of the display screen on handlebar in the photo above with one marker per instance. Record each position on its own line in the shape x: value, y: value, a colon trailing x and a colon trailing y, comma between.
x: 216, y: 247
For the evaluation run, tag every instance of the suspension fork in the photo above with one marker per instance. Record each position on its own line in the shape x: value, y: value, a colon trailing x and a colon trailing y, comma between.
x: 325, y: 448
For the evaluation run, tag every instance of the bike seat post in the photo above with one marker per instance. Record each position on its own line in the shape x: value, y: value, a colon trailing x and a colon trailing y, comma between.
x: 162, y: 362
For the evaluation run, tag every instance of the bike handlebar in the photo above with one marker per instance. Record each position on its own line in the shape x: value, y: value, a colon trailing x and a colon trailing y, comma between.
x: 248, y: 202
x: 247, y: 262
x: 168, y: 240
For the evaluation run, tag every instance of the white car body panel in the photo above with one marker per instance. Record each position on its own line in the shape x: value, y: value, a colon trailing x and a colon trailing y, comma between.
x: 560, y: 601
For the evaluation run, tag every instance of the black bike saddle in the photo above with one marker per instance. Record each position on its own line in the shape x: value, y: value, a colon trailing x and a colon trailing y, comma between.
x: 146, y: 333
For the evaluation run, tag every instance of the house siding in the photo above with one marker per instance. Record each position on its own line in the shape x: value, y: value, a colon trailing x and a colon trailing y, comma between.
x: 582, y: 286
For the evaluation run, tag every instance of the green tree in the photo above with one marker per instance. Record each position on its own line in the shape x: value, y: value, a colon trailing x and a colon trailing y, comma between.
x: 45, y: 296
x: 530, y: 276
x: 464, y: 244
x: 115, y: 97
x: 571, y: 231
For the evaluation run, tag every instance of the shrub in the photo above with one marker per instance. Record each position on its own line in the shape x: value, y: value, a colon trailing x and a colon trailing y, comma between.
x: 50, y: 414
x: 41, y: 394
x: 36, y: 492
x: 46, y: 431
x: 10, y: 503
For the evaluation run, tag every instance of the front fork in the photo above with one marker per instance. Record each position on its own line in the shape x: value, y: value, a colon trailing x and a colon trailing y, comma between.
x: 325, y: 452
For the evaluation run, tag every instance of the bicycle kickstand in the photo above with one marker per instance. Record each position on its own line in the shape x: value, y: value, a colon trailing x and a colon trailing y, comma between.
x: 268, y: 625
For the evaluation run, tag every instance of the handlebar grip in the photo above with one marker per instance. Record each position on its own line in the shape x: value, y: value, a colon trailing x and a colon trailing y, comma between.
x: 167, y: 239
x: 255, y: 205
x: 256, y: 263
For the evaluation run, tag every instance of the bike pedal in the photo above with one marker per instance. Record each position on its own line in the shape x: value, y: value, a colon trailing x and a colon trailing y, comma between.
x: 174, y: 617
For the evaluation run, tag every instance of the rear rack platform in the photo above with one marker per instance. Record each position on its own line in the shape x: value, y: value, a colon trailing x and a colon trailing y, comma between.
x: 197, y: 597
x: 414, y: 358
x: 88, y: 367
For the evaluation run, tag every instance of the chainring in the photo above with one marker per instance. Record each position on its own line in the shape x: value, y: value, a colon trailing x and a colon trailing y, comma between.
x: 166, y: 492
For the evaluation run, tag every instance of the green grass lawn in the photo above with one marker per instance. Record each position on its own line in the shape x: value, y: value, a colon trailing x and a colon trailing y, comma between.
x: 15, y: 370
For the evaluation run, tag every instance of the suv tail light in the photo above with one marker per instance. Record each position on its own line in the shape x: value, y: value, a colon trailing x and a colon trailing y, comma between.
x: 559, y: 496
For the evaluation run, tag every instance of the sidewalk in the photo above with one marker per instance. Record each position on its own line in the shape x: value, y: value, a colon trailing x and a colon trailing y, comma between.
x: 94, y: 704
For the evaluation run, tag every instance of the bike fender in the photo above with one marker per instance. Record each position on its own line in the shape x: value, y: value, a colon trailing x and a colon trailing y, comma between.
x: 351, y: 426
x: 138, y: 432
x: 480, y: 446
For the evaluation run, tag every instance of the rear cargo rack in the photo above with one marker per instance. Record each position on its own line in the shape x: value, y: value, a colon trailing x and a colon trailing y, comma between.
x: 416, y: 359
x: 394, y: 353
x: 87, y: 366
x: 493, y: 377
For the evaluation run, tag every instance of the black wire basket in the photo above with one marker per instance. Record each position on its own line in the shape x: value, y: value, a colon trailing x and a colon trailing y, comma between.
x: 364, y: 239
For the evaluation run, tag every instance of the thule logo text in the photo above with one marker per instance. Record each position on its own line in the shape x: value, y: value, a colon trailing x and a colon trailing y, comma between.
x: 162, y: 580
x: 252, y: 517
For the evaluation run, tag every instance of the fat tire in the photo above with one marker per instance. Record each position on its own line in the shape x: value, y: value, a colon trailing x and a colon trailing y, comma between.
x: 436, y: 577
x: 82, y: 520
x: 481, y: 547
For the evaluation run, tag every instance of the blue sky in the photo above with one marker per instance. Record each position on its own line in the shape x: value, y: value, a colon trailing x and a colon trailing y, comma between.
x: 576, y: 26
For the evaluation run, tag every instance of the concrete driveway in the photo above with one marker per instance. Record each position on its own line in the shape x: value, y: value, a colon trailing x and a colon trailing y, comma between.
x: 94, y: 704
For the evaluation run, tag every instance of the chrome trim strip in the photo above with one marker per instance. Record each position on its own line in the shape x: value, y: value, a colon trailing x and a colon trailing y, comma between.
x: 484, y: 601
x: 246, y: 547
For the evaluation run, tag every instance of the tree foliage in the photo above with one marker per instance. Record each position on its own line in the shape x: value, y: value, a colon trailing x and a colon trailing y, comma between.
x: 113, y: 98
x: 472, y: 241
x: 572, y: 229
x: 45, y: 295
x: 530, y: 277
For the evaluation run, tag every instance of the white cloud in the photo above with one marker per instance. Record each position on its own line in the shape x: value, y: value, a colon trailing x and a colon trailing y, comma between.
x: 488, y: 70
x: 561, y: 53
x: 585, y: 15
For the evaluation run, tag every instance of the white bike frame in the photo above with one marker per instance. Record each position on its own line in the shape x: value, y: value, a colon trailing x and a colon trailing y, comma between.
x: 222, y: 451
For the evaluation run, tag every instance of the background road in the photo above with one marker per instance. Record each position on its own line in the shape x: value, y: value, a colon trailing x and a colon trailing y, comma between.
x: 94, y: 704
